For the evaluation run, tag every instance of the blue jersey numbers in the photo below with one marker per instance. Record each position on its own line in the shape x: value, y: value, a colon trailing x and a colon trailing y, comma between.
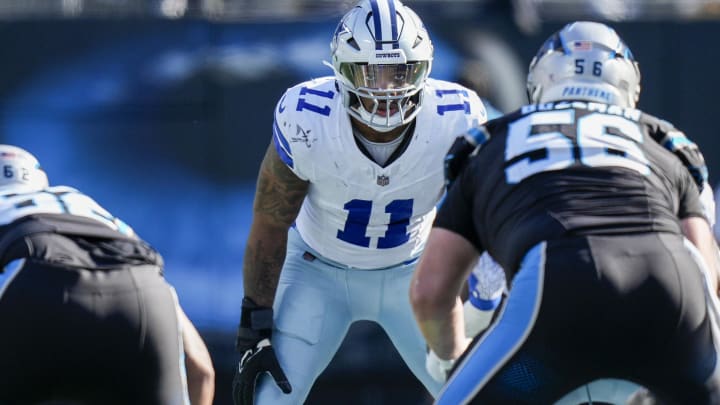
x: 463, y: 106
x: 358, y: 219
x: 303, y: 104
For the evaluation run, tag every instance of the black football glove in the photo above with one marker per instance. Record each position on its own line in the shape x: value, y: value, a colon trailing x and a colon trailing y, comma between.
x: 459, y: 152
x: 258, y: 356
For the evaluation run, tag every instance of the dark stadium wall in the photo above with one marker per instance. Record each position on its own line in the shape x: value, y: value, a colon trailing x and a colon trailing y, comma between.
x: 201, y: 95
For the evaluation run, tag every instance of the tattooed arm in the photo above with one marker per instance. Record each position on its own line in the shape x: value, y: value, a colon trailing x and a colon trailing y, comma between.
x: 278, y: 199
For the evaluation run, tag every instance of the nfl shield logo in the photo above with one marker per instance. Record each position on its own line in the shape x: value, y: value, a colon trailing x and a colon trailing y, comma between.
x: 383, y: 180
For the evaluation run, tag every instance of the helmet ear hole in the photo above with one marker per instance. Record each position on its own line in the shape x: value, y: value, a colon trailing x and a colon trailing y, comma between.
x: 353, y: 43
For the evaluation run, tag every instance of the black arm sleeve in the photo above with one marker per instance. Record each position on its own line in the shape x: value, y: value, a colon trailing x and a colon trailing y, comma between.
x: 689, y: 204
x: 456, y: 210
x: 683, y: 148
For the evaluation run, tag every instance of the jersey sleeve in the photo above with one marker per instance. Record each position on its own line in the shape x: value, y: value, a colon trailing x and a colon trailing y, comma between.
x: 674, y: 140
x: 281, y: 135
x: 455, y: 212
x: 460, y: 104
x: 477, y: 113
x: 306, y: 124
x: 690, y: 204
x: 480, y: 113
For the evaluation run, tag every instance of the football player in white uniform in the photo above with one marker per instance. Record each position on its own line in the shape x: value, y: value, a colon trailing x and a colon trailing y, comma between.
x: 345, y: 200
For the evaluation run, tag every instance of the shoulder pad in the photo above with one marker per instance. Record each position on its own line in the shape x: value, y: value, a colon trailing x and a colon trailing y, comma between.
x: 446, y: 97
x: 674, y: 140
x: 315, y: 98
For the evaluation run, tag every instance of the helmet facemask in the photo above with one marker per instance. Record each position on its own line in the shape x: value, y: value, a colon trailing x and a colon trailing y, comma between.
x: 384, y: 96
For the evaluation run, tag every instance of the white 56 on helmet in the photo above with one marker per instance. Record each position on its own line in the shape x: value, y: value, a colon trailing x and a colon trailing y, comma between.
x: 381, y: 55
x: 20, y: 170
x: 584, y: 61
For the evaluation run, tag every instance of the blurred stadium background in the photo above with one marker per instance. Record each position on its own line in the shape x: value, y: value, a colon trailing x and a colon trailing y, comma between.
x: 162, y: 109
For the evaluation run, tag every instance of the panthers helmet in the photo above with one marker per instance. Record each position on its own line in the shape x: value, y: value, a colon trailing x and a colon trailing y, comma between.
x: 584, y: 61
x: 381, y: 56
x: 20, y: 170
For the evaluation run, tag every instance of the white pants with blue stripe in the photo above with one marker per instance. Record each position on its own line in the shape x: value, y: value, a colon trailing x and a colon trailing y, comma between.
x: 315, y: 304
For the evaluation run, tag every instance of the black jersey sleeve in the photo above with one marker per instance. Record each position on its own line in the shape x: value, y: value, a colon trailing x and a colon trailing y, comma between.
x: 456, y: 210
x: 689, y: 204
x: 674, y: 140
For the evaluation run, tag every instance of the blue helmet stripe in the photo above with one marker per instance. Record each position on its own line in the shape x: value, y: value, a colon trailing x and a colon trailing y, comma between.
x: 393, y: 24
x: 377, y: 23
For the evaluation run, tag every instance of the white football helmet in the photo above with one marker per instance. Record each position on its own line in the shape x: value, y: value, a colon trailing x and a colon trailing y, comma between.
x: 20, y: 170
x: 381, y: 55
x: 584, y: 61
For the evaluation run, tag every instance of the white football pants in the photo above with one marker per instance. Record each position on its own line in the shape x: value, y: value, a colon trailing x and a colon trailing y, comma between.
x: 315, y: 304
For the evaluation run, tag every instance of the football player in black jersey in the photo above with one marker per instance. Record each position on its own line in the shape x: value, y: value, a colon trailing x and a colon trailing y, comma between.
x: 607, y: 249
x: 86, y: 314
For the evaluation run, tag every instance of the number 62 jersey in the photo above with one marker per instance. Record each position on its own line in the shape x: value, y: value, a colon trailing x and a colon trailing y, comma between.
x: 357, y: 212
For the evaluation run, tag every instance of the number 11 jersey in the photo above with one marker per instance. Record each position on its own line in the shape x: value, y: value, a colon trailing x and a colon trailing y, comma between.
x: 358, y: 213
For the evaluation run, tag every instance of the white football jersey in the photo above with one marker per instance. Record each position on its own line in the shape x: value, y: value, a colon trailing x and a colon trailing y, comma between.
x: 57, y: 200
x: 356, y: 212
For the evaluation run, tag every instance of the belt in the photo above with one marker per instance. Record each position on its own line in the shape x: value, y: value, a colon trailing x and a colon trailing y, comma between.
x: 311, y: 257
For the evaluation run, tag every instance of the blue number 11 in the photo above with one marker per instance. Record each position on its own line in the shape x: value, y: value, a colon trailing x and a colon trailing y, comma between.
x: 359, y: 217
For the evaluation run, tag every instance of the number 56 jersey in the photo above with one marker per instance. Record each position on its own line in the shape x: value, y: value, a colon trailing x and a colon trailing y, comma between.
x: 568, y: 169
x: 356, y: 212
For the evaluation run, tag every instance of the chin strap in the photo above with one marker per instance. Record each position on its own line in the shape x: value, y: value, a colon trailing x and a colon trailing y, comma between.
x: 366, y: 117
